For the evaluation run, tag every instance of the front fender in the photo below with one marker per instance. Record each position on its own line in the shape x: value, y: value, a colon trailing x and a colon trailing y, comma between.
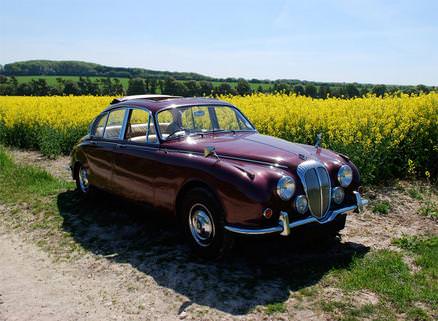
x: 244, y: 190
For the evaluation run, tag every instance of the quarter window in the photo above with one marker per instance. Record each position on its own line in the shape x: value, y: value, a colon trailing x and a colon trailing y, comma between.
x: 100, y: 126
x: 114, y: 124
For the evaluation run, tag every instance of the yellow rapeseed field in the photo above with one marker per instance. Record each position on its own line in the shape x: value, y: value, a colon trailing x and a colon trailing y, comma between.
x: 381, y: 135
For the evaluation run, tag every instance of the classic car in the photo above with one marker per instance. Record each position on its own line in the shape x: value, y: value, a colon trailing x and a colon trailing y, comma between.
x: 202, y: 161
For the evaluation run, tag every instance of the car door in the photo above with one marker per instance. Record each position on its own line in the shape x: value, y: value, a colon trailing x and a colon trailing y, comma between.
x: 100, y: 149
x: 137, y: 158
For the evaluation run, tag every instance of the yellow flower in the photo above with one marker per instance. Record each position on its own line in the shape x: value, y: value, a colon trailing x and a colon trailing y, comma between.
x: 383, y: 136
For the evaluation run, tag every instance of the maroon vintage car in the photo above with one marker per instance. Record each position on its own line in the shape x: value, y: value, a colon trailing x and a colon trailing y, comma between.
x: 202, y: 161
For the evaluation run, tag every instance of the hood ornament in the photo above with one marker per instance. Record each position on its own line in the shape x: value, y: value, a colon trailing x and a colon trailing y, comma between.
x: 318, y: 140
x: 318, y: 143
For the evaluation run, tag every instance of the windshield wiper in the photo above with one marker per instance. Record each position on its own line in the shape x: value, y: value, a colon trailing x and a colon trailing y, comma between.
x: 222, y: 131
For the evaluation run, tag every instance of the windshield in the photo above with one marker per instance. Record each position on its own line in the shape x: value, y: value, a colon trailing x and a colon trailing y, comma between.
x: 183, y: 121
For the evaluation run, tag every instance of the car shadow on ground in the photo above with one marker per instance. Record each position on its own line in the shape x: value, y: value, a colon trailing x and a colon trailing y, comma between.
x: 257, y: 272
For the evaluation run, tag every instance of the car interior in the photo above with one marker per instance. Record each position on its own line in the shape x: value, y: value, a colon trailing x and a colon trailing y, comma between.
x: 134, y: 132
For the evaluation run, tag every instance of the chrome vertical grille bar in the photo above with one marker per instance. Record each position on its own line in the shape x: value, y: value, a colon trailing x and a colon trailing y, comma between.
x: 317, y: 186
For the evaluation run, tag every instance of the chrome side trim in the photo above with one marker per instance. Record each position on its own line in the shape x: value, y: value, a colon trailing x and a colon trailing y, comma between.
x: 228, y: 157
x: 253, y: 161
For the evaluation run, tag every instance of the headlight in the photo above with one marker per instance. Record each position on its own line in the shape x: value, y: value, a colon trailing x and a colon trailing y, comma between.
x: 338, y: 195
x: 301, y: 204
x: 286, y: 188
x: 345, y: 175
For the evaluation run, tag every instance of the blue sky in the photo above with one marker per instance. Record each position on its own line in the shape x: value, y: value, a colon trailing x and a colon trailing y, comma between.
x: 392, y: 42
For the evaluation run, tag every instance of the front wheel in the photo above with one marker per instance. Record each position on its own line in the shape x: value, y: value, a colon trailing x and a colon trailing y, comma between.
x: 82, y: 183
x: 203, y: 221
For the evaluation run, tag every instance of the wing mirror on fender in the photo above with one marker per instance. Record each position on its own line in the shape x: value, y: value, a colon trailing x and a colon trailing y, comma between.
x: 210, y: 151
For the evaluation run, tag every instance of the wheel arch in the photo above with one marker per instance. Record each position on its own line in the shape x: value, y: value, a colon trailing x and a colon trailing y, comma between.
x: 75, y: 170
x: 190, y: 185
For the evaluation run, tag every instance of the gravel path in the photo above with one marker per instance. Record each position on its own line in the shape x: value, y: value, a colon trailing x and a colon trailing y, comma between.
x: 34, y: 288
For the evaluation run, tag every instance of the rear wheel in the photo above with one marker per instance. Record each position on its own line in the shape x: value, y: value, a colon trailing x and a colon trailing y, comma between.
x: 204, y: 224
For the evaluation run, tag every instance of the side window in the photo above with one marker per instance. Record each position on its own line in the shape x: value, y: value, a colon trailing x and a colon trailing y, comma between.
x: 100, y: 126
x: 140, y: 129
x: 114, y: 124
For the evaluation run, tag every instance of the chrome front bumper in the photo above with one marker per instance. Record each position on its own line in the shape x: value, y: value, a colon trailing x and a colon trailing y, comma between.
x: 284, y: 226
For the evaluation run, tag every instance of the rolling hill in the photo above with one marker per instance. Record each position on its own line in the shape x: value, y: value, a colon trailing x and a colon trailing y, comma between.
x: 81, y: 68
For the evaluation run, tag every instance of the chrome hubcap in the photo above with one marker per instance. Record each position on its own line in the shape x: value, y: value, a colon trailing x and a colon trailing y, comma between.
x: 201, y: 225
x: 83, y: 179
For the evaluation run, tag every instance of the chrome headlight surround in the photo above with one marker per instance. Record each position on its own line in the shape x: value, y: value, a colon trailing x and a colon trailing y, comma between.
x: 286, y: 188
x: 301, y: 204
x: 345, y: 175
x: 338, y: 195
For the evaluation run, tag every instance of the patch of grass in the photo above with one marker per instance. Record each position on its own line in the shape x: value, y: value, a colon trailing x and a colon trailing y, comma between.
x: 347, y: 311
x: 276, y: 307
x: 429, y: 209
x: 381, y: 207
x: 417, y: 314
x: 385, y: 273
x: 21, y: 182
x: 309, y: 291
x: 425, y: 281
x: 332, y: 306
x: 30, y: 192
x: 425, y: 249
x: 415, y: 193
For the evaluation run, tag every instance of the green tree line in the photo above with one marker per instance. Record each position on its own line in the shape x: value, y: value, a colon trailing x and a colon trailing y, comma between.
x: 9, y: 86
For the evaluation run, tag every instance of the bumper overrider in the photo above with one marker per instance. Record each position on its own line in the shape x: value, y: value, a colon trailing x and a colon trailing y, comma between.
x: 284, y: 226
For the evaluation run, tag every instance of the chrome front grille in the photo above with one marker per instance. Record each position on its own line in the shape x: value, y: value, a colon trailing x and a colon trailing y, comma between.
x: 317, y: 186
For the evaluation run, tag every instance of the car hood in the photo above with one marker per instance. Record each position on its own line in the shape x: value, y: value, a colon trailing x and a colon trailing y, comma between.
x: 257, y: 147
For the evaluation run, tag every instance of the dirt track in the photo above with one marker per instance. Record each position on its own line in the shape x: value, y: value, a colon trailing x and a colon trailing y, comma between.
x: 153, y: 277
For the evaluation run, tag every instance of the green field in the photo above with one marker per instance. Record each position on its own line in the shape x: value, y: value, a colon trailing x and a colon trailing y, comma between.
x: 51, y: 81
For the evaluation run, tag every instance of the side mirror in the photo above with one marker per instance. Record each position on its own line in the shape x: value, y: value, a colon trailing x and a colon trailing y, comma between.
x: 210, y: 151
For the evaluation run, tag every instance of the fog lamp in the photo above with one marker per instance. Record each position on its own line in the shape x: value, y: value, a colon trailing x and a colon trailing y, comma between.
x: 301, y: 205
x: 338, y: 195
